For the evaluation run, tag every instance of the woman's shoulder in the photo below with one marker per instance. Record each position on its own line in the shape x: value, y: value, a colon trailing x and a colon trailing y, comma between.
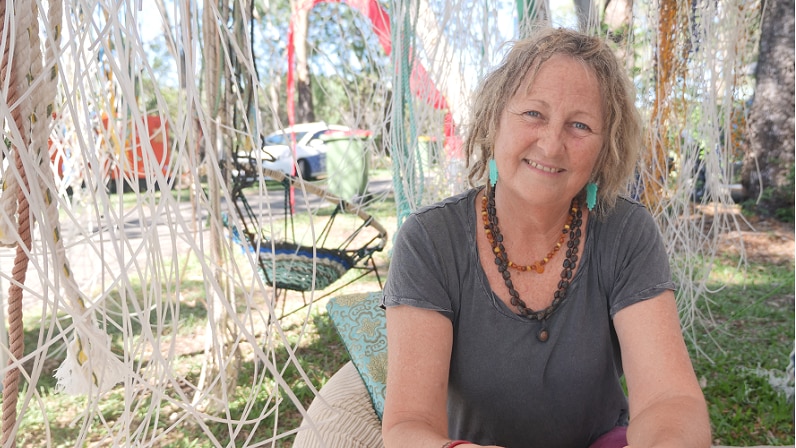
x: 456, y: 206
x: 625, y: 209
x: 628, y: 216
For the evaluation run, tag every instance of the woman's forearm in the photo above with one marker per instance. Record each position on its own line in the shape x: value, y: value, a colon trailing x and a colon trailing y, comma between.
x: 413, y: 434
x: 680, y: 422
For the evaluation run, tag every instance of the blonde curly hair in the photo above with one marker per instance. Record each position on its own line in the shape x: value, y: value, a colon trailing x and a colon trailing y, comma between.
x: 623, y: 140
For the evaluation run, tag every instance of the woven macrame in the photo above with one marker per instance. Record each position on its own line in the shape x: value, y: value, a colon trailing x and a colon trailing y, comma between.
x: 287, y: 265
x: 302, y: 268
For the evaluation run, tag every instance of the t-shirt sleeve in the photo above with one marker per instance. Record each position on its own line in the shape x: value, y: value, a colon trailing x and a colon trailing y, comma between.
x: 416, y: 274
x: 641, y: 265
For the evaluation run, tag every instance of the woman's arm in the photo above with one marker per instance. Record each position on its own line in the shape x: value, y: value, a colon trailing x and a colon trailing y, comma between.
x: 667, y: 408
x: 418, y: 359
x: 419, y: 346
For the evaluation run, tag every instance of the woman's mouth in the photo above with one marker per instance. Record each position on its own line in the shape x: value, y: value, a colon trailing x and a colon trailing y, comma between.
x: 546, y: 169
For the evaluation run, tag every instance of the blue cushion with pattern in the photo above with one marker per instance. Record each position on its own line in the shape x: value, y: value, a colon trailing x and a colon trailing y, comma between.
x: 360, y: 321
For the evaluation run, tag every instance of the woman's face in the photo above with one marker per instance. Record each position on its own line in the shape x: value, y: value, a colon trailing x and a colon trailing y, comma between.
x: 549, y: 136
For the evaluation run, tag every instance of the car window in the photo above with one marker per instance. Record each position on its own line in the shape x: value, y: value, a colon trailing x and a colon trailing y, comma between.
x: 284, y: 138
x: 317, y: 135
x: 277, y: 139
x: 300, y: 136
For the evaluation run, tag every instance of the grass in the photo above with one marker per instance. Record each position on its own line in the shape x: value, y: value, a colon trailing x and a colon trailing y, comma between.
x: 744, y: 350
x: 320, y: 357
x: 59, y: 418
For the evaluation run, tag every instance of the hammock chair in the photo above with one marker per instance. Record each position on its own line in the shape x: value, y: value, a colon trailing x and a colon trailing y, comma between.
x: 287, y: 265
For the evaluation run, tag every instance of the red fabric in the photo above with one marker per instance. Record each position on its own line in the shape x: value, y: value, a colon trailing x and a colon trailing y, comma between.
x: 615, y: 438
x: 453, y: 443
x: 419, y: 82
x: 423, y: 87
x: 369, y: 8
x: 453, y: 143
x: 291, y: 111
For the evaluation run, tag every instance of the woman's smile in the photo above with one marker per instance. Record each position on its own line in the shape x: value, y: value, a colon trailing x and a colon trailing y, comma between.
x: 546, y: 169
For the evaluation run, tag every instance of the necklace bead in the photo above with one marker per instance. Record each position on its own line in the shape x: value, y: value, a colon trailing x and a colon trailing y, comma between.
x: 543, y: 335
x: 490, y: 221
x: 504, y: 265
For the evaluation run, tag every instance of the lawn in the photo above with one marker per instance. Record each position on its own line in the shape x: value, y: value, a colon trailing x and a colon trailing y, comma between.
x: 743, y: 356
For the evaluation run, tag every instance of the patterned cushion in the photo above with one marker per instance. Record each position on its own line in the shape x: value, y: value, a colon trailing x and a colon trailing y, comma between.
x: 362, y: 326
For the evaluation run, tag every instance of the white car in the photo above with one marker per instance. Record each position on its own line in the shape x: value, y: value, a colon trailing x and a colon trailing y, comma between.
x: 310, y: 160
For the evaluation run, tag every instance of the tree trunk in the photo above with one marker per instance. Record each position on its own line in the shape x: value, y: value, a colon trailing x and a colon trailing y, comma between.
x: 767, y: 174
x: 588, y: 19
x: 530, y: 12
x: 617, y: 17
x: 305, y: 111
x: 668, y: 68
x: 219, y: 334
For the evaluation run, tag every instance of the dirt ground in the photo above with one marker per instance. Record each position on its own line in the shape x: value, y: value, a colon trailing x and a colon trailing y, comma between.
x: 764, y: 240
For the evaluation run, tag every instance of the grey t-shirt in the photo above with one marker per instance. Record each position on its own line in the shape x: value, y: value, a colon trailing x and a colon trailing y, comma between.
x: 506, y: 387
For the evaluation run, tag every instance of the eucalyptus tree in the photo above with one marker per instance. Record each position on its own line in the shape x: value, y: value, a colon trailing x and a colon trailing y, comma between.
x: 350, y: 69
x: 768, y: 171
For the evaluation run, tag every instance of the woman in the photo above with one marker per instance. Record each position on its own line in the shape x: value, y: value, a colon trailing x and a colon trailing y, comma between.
x: 514, y: 309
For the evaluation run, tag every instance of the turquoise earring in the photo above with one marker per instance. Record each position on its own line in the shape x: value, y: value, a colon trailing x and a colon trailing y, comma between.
x: 493, y: 174
x: 591, y: 195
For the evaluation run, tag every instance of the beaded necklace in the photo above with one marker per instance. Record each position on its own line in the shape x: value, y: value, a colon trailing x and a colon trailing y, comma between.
x: 538, y: 266
x: 492, y: 230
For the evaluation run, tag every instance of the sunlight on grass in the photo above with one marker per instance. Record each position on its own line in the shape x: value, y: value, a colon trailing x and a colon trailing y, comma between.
x: 752, y: 332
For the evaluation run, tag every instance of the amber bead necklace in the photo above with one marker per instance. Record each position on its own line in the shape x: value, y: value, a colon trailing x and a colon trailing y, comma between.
x: 538, y: 266
x: 572, y: 227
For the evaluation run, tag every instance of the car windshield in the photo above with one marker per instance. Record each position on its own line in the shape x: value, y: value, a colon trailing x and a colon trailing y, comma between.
x: 282, y: 138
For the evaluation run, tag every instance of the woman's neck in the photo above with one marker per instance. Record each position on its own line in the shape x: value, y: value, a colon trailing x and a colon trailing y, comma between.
x: 530, y: 223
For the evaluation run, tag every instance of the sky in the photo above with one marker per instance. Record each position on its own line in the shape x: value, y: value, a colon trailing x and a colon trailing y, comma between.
x: 561, y: 10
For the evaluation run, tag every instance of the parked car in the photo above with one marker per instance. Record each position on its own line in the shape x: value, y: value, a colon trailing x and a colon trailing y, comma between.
x: 310, y: 160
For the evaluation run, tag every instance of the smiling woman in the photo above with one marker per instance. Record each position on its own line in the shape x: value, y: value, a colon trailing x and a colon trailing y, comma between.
x: 491, y: 346
x: 148, y: 261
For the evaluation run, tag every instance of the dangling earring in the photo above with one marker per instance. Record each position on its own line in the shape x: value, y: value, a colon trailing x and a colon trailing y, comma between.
x: 493, y: 175
x: 591, y: 195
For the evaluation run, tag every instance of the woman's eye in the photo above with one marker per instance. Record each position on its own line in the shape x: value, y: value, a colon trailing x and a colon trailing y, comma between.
x: 581, y: 126
x: 533, y: 113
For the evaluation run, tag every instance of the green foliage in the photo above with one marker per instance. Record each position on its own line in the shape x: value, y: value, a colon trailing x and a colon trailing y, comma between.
x: 347, y: 65
x: 158, y: 87
x: 776, y: 202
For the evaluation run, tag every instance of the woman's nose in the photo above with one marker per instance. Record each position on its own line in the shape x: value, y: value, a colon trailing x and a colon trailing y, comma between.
x: 551, y: 138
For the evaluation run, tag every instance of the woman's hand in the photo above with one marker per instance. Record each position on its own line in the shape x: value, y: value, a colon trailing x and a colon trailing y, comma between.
x: 419, y: 351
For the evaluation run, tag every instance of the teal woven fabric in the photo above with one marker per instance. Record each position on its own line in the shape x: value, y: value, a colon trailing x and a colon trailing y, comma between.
x: 362, y: 326
x: 295, y: 267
